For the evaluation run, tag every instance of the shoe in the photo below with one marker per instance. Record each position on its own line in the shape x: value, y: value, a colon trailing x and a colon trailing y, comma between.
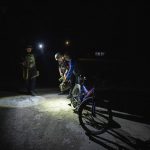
x: 61, y: 93
x: 33, y: 93
x: 69, y: 96
x: 75, y: 110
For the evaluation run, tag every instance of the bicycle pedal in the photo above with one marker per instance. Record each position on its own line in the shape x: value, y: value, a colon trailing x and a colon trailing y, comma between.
x: 75, y: 111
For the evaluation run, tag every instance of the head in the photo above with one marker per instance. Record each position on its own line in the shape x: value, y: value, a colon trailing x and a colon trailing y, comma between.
x: 67, y: 56
x: 29, y: 49
x: 59, y: 56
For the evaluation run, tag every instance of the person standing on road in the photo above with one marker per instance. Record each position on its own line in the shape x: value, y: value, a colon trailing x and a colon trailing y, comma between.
x: 30, y: 71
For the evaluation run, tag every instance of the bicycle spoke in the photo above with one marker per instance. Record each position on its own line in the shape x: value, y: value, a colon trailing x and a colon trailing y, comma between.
x: 96, y: 123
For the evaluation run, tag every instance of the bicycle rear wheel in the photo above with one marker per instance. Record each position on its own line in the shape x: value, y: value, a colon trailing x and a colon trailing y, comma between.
x: 94, y: 120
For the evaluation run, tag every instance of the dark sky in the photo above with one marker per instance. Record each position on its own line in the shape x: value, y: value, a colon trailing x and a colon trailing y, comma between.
x: 88, y: 24
x: 110, y: 26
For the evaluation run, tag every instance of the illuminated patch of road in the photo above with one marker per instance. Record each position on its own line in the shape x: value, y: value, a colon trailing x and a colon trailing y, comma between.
x: 20, y: 101
x: 47, y: 103
x: 55, y: 103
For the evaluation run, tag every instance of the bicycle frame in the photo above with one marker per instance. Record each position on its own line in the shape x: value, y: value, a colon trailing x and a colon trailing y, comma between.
x: 90, y: 95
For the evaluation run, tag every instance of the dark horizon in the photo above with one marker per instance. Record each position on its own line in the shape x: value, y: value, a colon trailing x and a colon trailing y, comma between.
x: 110, y: 40
x: 109, y: 27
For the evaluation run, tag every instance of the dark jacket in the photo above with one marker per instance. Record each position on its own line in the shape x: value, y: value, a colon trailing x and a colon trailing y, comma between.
x: 29, y: 67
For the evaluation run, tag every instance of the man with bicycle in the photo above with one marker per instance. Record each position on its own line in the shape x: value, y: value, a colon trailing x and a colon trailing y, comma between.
x: 63, y: 68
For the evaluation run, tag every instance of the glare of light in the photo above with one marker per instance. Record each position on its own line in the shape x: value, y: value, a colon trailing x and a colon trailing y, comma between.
x: 46, y: 103
x: 20, y: 101
x: 56, y: 105
x: 41, y: 46
x: 67, y: 42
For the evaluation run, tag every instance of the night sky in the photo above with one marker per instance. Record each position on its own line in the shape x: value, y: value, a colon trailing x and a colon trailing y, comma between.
x: 112, y: 27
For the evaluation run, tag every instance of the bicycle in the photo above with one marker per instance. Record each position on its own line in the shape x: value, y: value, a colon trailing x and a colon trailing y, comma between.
x: 93, y: 119
x: 78, y: 93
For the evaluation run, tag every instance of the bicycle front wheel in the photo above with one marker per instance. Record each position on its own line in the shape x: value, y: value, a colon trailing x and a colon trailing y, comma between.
x: 75, y: 100
x: 94, y: 120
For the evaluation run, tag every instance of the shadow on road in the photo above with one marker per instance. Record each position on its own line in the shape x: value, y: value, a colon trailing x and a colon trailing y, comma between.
x: 113, y: 129
x: 130, y: 105
x: 123, y: 144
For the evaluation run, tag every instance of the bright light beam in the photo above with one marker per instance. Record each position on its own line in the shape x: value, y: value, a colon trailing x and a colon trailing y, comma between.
x: 41, y: 46
x: 67, y: 43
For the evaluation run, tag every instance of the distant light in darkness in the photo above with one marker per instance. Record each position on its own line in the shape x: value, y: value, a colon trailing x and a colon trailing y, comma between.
x: 99, y: 53
x: 40, y: 46
x: 67, y: 42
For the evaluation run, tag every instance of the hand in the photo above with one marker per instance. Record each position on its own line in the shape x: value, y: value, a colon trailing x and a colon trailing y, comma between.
x: 61, y: 74
x: 61, y: 79
x: 65, y: 79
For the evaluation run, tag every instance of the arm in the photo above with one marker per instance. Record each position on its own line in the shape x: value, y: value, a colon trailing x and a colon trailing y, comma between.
x: 70, y: 71
x: 60, y: 73
x: 65, y: 72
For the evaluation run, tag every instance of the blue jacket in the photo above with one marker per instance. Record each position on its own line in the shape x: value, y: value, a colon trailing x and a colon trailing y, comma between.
x: 72, y: 69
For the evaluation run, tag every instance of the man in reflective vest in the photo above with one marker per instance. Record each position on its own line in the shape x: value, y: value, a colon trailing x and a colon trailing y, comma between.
x: 30, y: 71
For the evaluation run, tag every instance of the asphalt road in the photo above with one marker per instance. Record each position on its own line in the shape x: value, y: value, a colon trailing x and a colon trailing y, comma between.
x: 47, y: 122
